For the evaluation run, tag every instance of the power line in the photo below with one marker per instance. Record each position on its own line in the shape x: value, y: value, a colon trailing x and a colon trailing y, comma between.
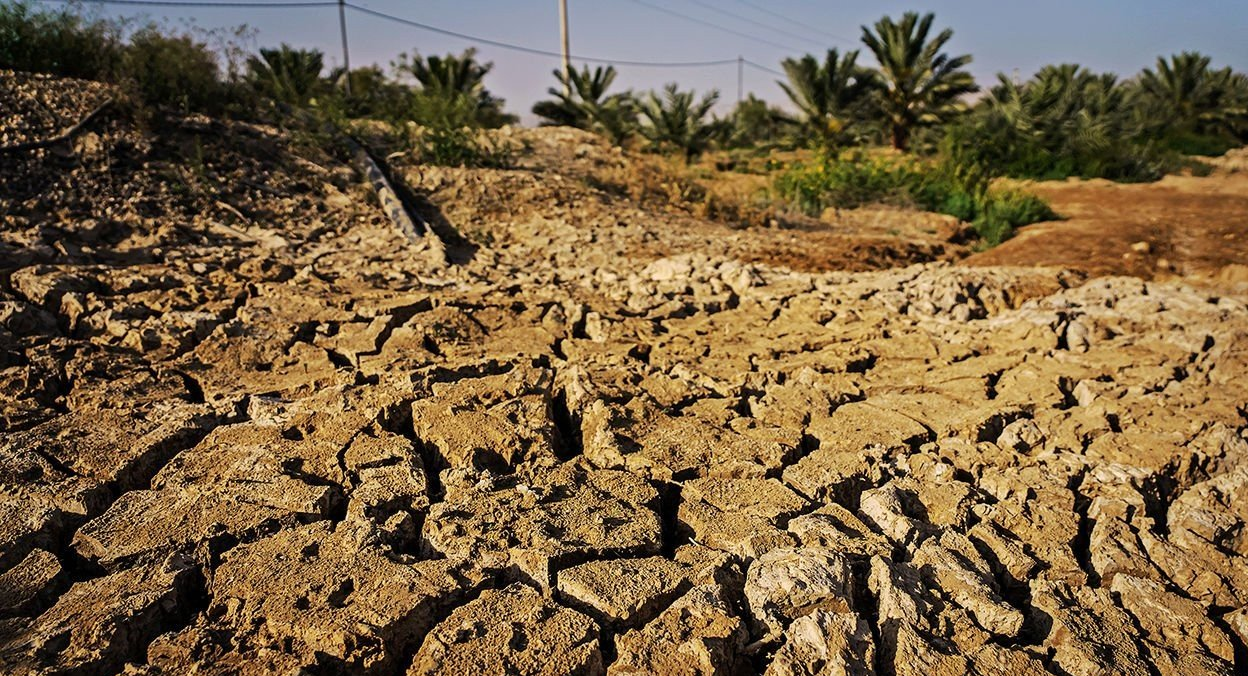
x: 794, y: 22
x: 763, y: 68
x: 533, y: 50
x: 422, y: 26
x: 694, y: 19
x: 741, y: 17
x: 203, y: 3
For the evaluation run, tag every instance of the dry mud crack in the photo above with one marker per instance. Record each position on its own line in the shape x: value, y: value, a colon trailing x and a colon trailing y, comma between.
x: 271, y: 441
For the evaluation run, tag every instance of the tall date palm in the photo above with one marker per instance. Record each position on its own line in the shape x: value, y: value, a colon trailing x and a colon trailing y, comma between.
x: 677, y: 120
x: 922, y: 84
x: 1184, y: 93
x: 287, y: 74
x: 830, y: 96
x: 456, y: 81
x: 582, y: 101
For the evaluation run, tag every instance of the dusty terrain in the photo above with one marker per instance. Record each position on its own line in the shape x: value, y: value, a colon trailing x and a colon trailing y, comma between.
x: 1180, y: 227
x: 248, y: 428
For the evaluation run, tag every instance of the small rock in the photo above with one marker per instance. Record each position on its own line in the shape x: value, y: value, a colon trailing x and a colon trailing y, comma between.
x: 698, y: 635
x: 334, y: 199
x: 1078, y: 337
x: 28, y: 584
x: 511, y: 631
x: 886, y: 508
x: 785, y: 584
x: 1021, y: 435
x: 825, y: 643
x: 624, y: 592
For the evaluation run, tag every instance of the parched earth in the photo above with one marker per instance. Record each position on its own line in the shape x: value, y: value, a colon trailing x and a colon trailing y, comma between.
x: 250, y: 428
x: 1182, y: 227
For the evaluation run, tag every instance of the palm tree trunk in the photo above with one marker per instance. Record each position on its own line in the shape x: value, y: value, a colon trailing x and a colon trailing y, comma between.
x: 901, y: 137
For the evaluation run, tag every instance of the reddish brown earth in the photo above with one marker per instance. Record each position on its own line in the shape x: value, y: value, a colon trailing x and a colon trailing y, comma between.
x: 246, y: 427
x: 1180, y: 226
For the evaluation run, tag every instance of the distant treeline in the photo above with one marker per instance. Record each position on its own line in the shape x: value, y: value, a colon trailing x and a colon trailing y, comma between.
x: 1063, y: 121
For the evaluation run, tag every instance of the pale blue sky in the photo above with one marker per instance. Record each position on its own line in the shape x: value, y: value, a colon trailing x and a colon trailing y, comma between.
x: 1120, y: 36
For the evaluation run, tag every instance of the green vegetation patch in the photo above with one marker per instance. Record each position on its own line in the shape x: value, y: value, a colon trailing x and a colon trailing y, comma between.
x: 856, y: 179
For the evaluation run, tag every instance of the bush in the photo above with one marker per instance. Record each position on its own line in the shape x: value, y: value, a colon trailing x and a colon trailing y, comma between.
x: 962, y: 191
x: 459, y: 79
x: 286, y: 74
x: 986, y: 139
x: 1200, y: 145
x: 59, y: 42
x: 1002, y: 211
x: 158, y: 68
x: 173, y: 70
x: 846, y: 182
x: 1068, y: 121
x: 460, y: 147
x: 678, y: 121
x: 373, y: 95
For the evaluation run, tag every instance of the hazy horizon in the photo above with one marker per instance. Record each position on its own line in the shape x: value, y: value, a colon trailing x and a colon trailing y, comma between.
x: 1118, y: 37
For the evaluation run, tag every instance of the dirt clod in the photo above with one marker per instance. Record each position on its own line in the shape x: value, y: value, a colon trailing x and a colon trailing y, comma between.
x: 246, y: 428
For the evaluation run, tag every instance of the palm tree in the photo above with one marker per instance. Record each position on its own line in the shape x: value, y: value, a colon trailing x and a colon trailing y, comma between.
x: 1066, y: 118
x: 373, y: 94
x: 453, y: 78
x: 678, y: 121
x: 582, y: 101
x: 831, y: 96
x: 1185, y: 95
x: 754, y: 123
x: 1236, y: 104
x: 922, y: 84
x: 1063, y: 102
x: 287, y: 74
x: 460, y: 74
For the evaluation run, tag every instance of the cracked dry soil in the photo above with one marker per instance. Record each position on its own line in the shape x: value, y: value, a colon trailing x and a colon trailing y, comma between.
x: 246, y: 431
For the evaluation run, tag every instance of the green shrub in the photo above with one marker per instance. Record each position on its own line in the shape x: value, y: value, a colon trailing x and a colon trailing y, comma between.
x: 59, y: 42
x: 156, y: 66
x: 961, y: 191
x: 959, y: 204
x: 846, y: 182
x: 173, y: 70
x: 1002, y: 211
x: 458, y: 147
x: 1068, y: 121
x: 453, y: 147
x: 1201, y: 145
x: 984, y: 138
x: 582, y: 101
x: 679, y: 121
x: 459, y: 79
x: 373, y: 95
x: 442, y: 109
x: 286, y: 74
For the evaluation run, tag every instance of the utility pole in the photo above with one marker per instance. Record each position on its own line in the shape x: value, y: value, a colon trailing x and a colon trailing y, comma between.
x: 346, y: 54
x: 740, y: 78
x: 563, y: 37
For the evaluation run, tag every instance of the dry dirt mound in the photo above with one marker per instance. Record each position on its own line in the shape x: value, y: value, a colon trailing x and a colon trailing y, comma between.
x: 264, y: 437
x: 571, y: 182
x: 1181, y: 226
x: 35, y: 108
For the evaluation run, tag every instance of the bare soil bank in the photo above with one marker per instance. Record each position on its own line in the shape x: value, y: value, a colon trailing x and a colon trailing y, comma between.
x: 247, y: 429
